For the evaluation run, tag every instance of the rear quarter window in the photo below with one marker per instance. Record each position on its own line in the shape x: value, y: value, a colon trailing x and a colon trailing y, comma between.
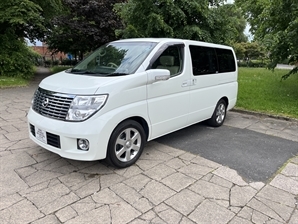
x: 209, y: 60
x: 226, y: 60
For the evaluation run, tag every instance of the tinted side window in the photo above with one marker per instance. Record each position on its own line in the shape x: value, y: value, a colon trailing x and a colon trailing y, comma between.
x: 226, y: 60
x: 203, y: 60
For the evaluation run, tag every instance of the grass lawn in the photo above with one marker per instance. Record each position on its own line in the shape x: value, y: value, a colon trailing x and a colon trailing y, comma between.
x: 6, y: 81
x: 262, y: 90
x: 12, y: 82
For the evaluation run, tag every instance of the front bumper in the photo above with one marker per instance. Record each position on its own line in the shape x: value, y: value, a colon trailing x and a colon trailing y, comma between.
x: 62, y: 136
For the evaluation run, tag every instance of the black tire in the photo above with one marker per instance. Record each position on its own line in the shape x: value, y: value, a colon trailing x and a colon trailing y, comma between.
x: 126, y: 144
x: 219, y: 114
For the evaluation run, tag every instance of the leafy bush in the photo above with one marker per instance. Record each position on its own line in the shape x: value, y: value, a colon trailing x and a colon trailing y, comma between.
x: 56, y: 69
x: 47, y: 63
x: 68, y: 62
x: 16, y: 59
x: 285, y: 61
x: 253, y: 64
x: 35, y: 57
x: 55, y: 63
x: 50, y: 63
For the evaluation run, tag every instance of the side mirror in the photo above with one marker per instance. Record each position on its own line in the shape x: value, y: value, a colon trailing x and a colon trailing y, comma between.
x: 155, y: 75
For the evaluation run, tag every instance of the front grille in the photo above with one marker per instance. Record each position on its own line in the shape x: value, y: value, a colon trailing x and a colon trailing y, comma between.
x: 50, y: 104
x: 52, y: 139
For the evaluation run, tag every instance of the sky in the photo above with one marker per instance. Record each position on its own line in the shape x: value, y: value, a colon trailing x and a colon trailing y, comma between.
x: 37, y: 43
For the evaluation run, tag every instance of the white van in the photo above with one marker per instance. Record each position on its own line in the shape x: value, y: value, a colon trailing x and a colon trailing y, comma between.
x: 131, y: 91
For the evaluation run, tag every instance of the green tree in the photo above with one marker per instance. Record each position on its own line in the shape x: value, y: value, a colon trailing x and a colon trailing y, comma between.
x: 251, y: 10
x: 231, y: 22
x: 20, y: 19
x: 253, y: 50
x: 239, y: 50
x: 84, y: 26
x: 248, y: 51
x: 27, y: 18
x: 275, y: 23
x: 16, y: 59
x: 190, y: 19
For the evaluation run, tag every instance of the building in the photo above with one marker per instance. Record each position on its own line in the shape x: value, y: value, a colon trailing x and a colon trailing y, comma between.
x: 47, y: 55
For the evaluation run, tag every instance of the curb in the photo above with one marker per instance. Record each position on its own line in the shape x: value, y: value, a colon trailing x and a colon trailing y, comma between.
x: 261, y: 114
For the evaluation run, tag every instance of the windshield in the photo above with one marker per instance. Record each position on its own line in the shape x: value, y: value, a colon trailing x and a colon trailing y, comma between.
x: 117, y: 58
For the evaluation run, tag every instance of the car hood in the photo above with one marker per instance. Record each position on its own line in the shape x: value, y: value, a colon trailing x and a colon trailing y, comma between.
x: 63, y: 82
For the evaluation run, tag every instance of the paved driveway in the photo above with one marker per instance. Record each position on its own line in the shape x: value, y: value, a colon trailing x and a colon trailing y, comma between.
x: 167, y: 185
x: 256, y: 156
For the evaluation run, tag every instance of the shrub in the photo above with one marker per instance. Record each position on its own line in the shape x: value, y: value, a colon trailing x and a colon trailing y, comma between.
x: 285, y: 61
x: 253, y: 64
x: 56, y: 69
x: 16, y: 59
x: 47, y: 63
x: 55, y: 63
x: 68, y: 62
x: 35, y: 57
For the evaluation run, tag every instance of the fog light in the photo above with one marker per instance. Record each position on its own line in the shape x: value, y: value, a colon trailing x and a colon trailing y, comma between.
x: 83, y: 144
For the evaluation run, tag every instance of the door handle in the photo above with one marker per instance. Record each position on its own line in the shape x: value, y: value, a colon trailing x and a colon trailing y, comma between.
x: 185, y: 84
x: 191, y: 82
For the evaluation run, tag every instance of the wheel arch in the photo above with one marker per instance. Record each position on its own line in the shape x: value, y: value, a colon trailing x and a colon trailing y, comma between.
x: 111, y: 154
x: 225, y: 99
x: 142, y: 122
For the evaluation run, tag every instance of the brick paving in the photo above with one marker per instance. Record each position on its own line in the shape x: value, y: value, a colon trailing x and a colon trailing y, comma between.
x: 166, y: 185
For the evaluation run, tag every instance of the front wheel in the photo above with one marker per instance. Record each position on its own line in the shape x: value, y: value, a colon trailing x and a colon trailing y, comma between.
x: 219, y: 114
x: 126, y: 144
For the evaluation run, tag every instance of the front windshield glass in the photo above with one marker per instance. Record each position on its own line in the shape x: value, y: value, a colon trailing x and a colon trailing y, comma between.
x: 118, y: 58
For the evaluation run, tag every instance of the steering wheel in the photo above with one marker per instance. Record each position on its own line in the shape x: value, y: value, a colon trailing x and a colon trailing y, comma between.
x: 112, y: 65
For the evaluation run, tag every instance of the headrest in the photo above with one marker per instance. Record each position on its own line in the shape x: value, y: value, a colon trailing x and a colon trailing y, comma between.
x: 167, y: 60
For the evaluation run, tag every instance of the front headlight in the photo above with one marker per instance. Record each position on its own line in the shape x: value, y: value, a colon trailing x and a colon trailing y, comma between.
x: 82, y: 107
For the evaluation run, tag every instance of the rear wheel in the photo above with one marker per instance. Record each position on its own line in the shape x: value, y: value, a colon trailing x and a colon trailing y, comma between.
x: 219, y: 114
x: 126, y: 144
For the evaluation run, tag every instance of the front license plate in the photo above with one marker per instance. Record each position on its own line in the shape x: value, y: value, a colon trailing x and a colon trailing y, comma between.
x: 41, y: 135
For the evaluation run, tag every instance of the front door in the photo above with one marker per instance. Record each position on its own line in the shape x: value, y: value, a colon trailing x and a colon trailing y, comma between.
x: 168, y: 101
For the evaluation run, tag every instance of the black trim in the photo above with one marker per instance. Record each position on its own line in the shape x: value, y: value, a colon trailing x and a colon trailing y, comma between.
x: 32, y: 129
x: 52, y: 139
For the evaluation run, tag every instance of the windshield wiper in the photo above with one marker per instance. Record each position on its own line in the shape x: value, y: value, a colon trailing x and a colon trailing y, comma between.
x: 117, y: 74
x: 76, y: 71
